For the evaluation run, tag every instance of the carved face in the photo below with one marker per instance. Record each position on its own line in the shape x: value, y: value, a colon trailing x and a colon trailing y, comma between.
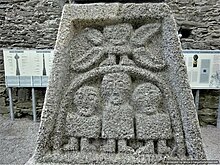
x: 86, y: 100
x: 147, y: 98
x: 116, y: 87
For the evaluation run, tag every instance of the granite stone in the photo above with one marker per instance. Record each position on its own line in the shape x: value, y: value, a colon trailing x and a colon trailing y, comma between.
x: 118, y: 91
x: 34, y: 24
x: 121, y: 1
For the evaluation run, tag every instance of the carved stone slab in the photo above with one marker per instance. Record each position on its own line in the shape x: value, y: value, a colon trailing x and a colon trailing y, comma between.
x: 83, y: 126
x: 153, y: 127
x: 121, y: 1
x: 118, y: 92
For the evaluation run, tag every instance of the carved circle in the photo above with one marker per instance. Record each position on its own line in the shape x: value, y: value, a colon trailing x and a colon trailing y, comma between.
x: 86, y: 100
x: 147, y: 98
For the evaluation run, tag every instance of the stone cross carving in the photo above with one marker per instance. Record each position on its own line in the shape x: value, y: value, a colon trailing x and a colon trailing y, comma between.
x: 118, y: 93
x: 17, y: 65
x: 117, y: 44
x: 44, y: 67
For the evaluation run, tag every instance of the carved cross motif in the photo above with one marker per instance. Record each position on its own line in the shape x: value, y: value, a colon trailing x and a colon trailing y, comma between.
x: 120, y: 45
x: 17, y: 65
x: 44, y: 67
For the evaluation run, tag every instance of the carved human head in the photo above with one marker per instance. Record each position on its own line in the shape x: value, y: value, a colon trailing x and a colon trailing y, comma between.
x: 147, y: 98
x: 116, y: 87
x: 86, y: 100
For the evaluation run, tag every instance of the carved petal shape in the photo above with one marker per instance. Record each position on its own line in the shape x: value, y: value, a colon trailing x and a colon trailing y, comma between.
x: 144, y: 58
x: 91, y: 58
x: 144, y: 33
x: 94, y: 36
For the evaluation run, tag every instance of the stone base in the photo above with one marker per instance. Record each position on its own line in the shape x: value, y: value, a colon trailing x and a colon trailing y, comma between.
x: 101, y: 158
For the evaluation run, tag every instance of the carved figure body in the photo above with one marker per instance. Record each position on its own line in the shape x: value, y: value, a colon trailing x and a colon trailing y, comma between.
x: 117, y: 121
x: 84, y: 124
x: 151, y: 126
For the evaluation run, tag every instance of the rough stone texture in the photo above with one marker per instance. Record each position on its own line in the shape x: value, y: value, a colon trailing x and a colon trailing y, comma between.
x: 115, y: 89
x: 26, y: 24
x: 29, y: 23
x: 198, y: 22
x: 209, y: 103
x: 153, y: 126
x: 34, y: 23
x: 121, y: 1
x: 201, y: 19
x: 109, y: 61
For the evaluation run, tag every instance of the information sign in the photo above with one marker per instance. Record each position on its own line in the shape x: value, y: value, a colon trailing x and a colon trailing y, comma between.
x: 27, y: 68
x: 203, y: 68
x: 31, y: 68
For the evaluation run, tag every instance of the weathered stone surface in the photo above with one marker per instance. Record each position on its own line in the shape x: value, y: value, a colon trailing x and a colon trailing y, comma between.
x: 207, y: 116
x: 108, y: 74
x: 34, y: 24
x: 121, y: 1
x: 117, y: 113
x: 79, y: 126
x: 200, y: 16
x: 208, y: 107
x: 27, y: 23
x: 153, y: 127
x: 209, y: 100
x: 4, y: 110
